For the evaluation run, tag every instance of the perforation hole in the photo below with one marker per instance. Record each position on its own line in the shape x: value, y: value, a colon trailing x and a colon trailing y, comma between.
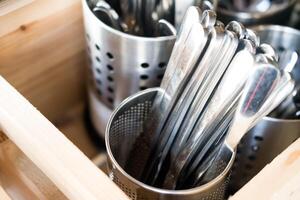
x: 144, y: 76
x: 258, y: 138
x: 281, y: 48
x: 110, y: 89
x: 98, y: 59
x: 97, y: 47
x: 110, y: 100
x: 162, y: 65
x: 99, y: 82
x: 110, y: 56
x: 98, y: 70
x: 109, y: 78
x: 144, y: 65
x: 110, y: 68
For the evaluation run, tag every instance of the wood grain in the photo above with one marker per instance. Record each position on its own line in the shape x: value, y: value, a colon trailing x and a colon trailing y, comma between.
x: 7, y: 6
x: 23, y: 180
x: 64, y: 164
x: 42, y: 54
x: 3, y: 194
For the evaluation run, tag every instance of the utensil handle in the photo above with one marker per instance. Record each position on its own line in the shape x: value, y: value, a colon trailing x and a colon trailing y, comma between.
x: 260, y: 84
x: 69, y: 169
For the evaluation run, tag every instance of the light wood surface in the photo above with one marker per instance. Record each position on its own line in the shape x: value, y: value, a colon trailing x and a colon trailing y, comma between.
x: 7, y: 6
x: 42, y: 54
x: 23, y: 180
x: 280, y: 180
x: 3, y: 194
x: 65, y: 165
x: 73, y: 126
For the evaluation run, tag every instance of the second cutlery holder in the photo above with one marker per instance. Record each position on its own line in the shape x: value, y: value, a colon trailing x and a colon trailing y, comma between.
x: 272, y: 135
x: 120, y: 65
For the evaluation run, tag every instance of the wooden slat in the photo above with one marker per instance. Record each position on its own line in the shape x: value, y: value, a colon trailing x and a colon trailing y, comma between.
x: 74, y: 127
x: 23, y: 180
x: 7, y: 6
x: 3, y: 194
x: 280, y: 180
x: 42, y: 54
x: 65, y: 165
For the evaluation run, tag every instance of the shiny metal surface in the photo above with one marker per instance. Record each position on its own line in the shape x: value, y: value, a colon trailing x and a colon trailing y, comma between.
x: 278, y: 14
x: 108, y: 15
x: 223, y: 101
x: 123, y: 131
x: 99, y: 112
x: 165, y: 28
x: 190, y: 43
x: 260, y: 146
x: 279, y: 37
x: 270, y: 136
x: 252, y: 106
x: 209, y: 71
x: 286, y: 42
x: 171, y: 126
x: 122, y: 64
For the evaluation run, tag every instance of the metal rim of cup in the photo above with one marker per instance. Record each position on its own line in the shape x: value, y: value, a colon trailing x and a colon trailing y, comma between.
x: 191, y: 191
x: 122, y: 34
x: 277, y: 28
x: 255, y: 15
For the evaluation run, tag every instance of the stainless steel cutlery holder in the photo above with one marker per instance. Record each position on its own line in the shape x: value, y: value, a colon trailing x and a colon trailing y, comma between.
x: 120, y: 65
x: 124, y: 127
x: 273, y: 134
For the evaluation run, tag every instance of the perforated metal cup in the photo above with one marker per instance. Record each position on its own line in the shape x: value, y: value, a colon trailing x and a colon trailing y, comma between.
x: 270, y: 136
x: 125, y: 126
x: 120, y: 64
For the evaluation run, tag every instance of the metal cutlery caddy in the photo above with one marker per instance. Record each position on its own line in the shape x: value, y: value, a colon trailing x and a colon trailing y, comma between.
x: 120, y: 65
x: 125, y: 126
x: 273, y: 134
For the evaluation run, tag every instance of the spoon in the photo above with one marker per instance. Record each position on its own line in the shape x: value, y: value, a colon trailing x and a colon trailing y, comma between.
x: 252, y: 107
x: 190, y: 37
x: 188, y: 66
x: 223, y: 101
x: 214, y: 70
x: 108, y: 15
x: 165, y: 28
x: 282, y: 90
x: 288, y: 61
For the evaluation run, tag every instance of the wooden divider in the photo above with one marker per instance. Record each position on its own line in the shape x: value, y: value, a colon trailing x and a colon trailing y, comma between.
x: 43, y: 56
x: 64, y: 164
